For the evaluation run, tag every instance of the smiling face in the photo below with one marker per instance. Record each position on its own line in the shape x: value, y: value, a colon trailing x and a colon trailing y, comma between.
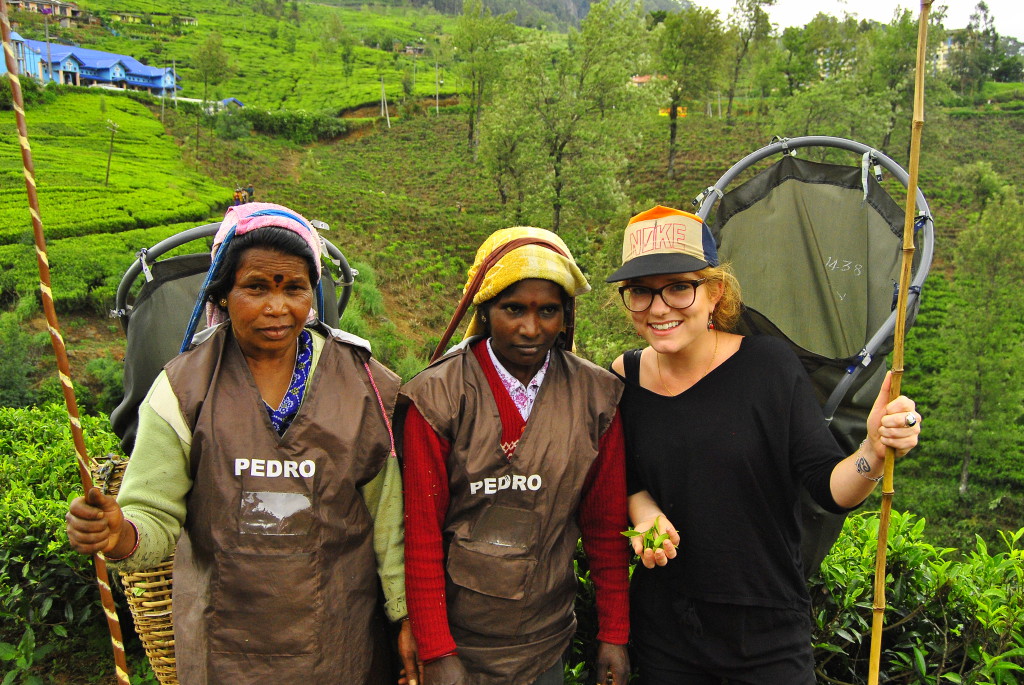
x: 525, y: 319
x: 269, y: 302
x: 667, y: 329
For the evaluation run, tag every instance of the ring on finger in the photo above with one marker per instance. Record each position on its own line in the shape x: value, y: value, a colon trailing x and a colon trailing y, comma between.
x: 911, y: 419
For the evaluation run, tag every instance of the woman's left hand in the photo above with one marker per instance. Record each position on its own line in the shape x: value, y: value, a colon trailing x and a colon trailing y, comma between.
x: 612, y: 664
x: 895, y: 424
x: 407, y: 653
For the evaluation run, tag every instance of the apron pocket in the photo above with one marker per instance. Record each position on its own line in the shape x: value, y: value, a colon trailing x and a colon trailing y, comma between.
x: 275, y: 513
x: 265, y: 604
x: 488, y: 574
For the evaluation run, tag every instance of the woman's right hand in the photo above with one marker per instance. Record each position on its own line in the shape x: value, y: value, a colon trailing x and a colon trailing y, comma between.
x: 95, y: 524
x: 660, y: 556
x: 447, y: 670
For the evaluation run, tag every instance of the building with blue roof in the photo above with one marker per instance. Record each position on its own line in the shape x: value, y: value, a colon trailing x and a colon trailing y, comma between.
x: 83, y: 67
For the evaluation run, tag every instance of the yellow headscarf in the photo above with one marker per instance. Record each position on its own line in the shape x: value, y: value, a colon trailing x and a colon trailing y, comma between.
x: 528, y: 261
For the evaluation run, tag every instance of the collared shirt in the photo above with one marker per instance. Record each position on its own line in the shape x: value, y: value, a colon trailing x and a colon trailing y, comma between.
x: 523, y: 396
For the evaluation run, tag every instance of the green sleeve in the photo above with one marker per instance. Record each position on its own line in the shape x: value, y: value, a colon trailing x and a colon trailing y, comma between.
x: 383, y: 497
x: 157, y: 478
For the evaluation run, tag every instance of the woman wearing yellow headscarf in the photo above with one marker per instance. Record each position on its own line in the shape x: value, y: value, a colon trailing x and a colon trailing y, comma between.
x: 513, y: 448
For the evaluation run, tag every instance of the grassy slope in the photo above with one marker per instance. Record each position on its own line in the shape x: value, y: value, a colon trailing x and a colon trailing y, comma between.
x: 409, y: 207
x: 391, y: 198
x: 150, y: 194
x: 275, y: 62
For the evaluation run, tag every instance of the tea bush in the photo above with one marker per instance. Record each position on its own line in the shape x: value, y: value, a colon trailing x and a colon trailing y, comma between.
x: 949, y: 617
x: 43, y: 583
x: 84, y: 271
x: 148, y: 184
x: 297, y: 126
x: 17, y: 351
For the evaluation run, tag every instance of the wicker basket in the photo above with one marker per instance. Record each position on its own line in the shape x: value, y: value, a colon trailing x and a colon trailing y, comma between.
x: 148, y: 591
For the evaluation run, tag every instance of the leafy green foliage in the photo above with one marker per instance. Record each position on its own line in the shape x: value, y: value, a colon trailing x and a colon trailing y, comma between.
x: 32, y: 93
x: 109, y: 375
x: 480, y: 37
x: 689, y: 52
x: 43, y: 583
x: 211, y: 61
x: 23, y: 657
x: 651, y: 538
x: 297, y: 126
x: 17, y: 350
x: 84, y: 271
x: 559, y: 132
x: 946, y: 619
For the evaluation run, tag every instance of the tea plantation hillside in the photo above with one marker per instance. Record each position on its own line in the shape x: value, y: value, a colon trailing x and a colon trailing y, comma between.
x: 305, y: 55
x: 94, y: 226
x: 408, y: 204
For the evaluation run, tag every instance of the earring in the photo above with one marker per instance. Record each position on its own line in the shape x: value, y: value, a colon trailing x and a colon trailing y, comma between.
x: 223, y: 302
x: 711, y: 322
x: 483, y: 319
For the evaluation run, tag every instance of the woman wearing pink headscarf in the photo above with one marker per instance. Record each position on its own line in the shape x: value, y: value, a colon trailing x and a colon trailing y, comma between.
x: 264, y: 460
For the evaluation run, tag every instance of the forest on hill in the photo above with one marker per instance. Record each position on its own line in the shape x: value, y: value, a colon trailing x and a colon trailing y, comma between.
x: 540, y: 128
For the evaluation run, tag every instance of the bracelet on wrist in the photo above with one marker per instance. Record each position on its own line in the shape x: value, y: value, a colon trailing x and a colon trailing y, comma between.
x: 866, y: 474
x: 134, y: 548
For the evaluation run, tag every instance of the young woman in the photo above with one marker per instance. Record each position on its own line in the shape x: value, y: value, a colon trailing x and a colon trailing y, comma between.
x: 721, y: 430
x: 512, y: 447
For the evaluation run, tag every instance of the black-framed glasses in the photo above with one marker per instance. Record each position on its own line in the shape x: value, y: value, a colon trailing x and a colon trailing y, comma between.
x: 678, y: 295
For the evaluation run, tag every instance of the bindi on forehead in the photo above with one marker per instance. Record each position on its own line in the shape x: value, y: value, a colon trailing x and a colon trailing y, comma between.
x: 278, y: 278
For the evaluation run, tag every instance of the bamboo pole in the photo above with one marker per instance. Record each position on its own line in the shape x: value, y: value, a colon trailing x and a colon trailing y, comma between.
x: 878, y: 604
x: 63, y: 367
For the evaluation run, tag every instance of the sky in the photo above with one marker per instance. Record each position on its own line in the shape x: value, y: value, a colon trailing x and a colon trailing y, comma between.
x: 1008, y: 14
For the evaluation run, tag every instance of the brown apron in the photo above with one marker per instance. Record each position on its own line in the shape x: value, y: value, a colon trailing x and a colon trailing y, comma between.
x: 511, y: 531
x: 275, y: 574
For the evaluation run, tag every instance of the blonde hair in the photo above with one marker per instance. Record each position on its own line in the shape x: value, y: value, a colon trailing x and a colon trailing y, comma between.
x: 727, y: 311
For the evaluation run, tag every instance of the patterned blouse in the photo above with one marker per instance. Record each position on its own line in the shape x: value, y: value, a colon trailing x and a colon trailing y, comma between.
x: 282, y: 417
x: 522, y: 395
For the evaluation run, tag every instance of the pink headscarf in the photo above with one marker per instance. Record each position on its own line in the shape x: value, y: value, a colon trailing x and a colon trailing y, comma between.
x: 241, y: 217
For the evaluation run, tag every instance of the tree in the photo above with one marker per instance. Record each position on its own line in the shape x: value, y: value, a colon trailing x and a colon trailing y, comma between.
x: 211, y: 61
x: 334, y: 34
x: 478, y: 38
x: 1008, y: 69
x: 688, y: 55
x: 974, y: 53
x: 832, y: 107
x: 890, y: 65
x: 798, y: 63
x: 748, y: 23
x: 348, y: 59
x: 979, y: 183
x: 979, y: 392
x: 568, y: 112
x: 834, y: 44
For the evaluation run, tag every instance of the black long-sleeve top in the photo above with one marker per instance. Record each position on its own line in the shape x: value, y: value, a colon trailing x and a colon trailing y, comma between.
x: 724, y: 460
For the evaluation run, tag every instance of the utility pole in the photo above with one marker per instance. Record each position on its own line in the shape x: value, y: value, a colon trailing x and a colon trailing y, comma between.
x: 46, y: 23
x: 384, y: 102
x: 112, y: 127
x: 437, y: 88
x: 174, y: 85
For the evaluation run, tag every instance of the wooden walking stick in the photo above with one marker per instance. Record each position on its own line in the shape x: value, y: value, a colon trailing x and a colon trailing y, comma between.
x: 63, y: 368
x: 878, y: 605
